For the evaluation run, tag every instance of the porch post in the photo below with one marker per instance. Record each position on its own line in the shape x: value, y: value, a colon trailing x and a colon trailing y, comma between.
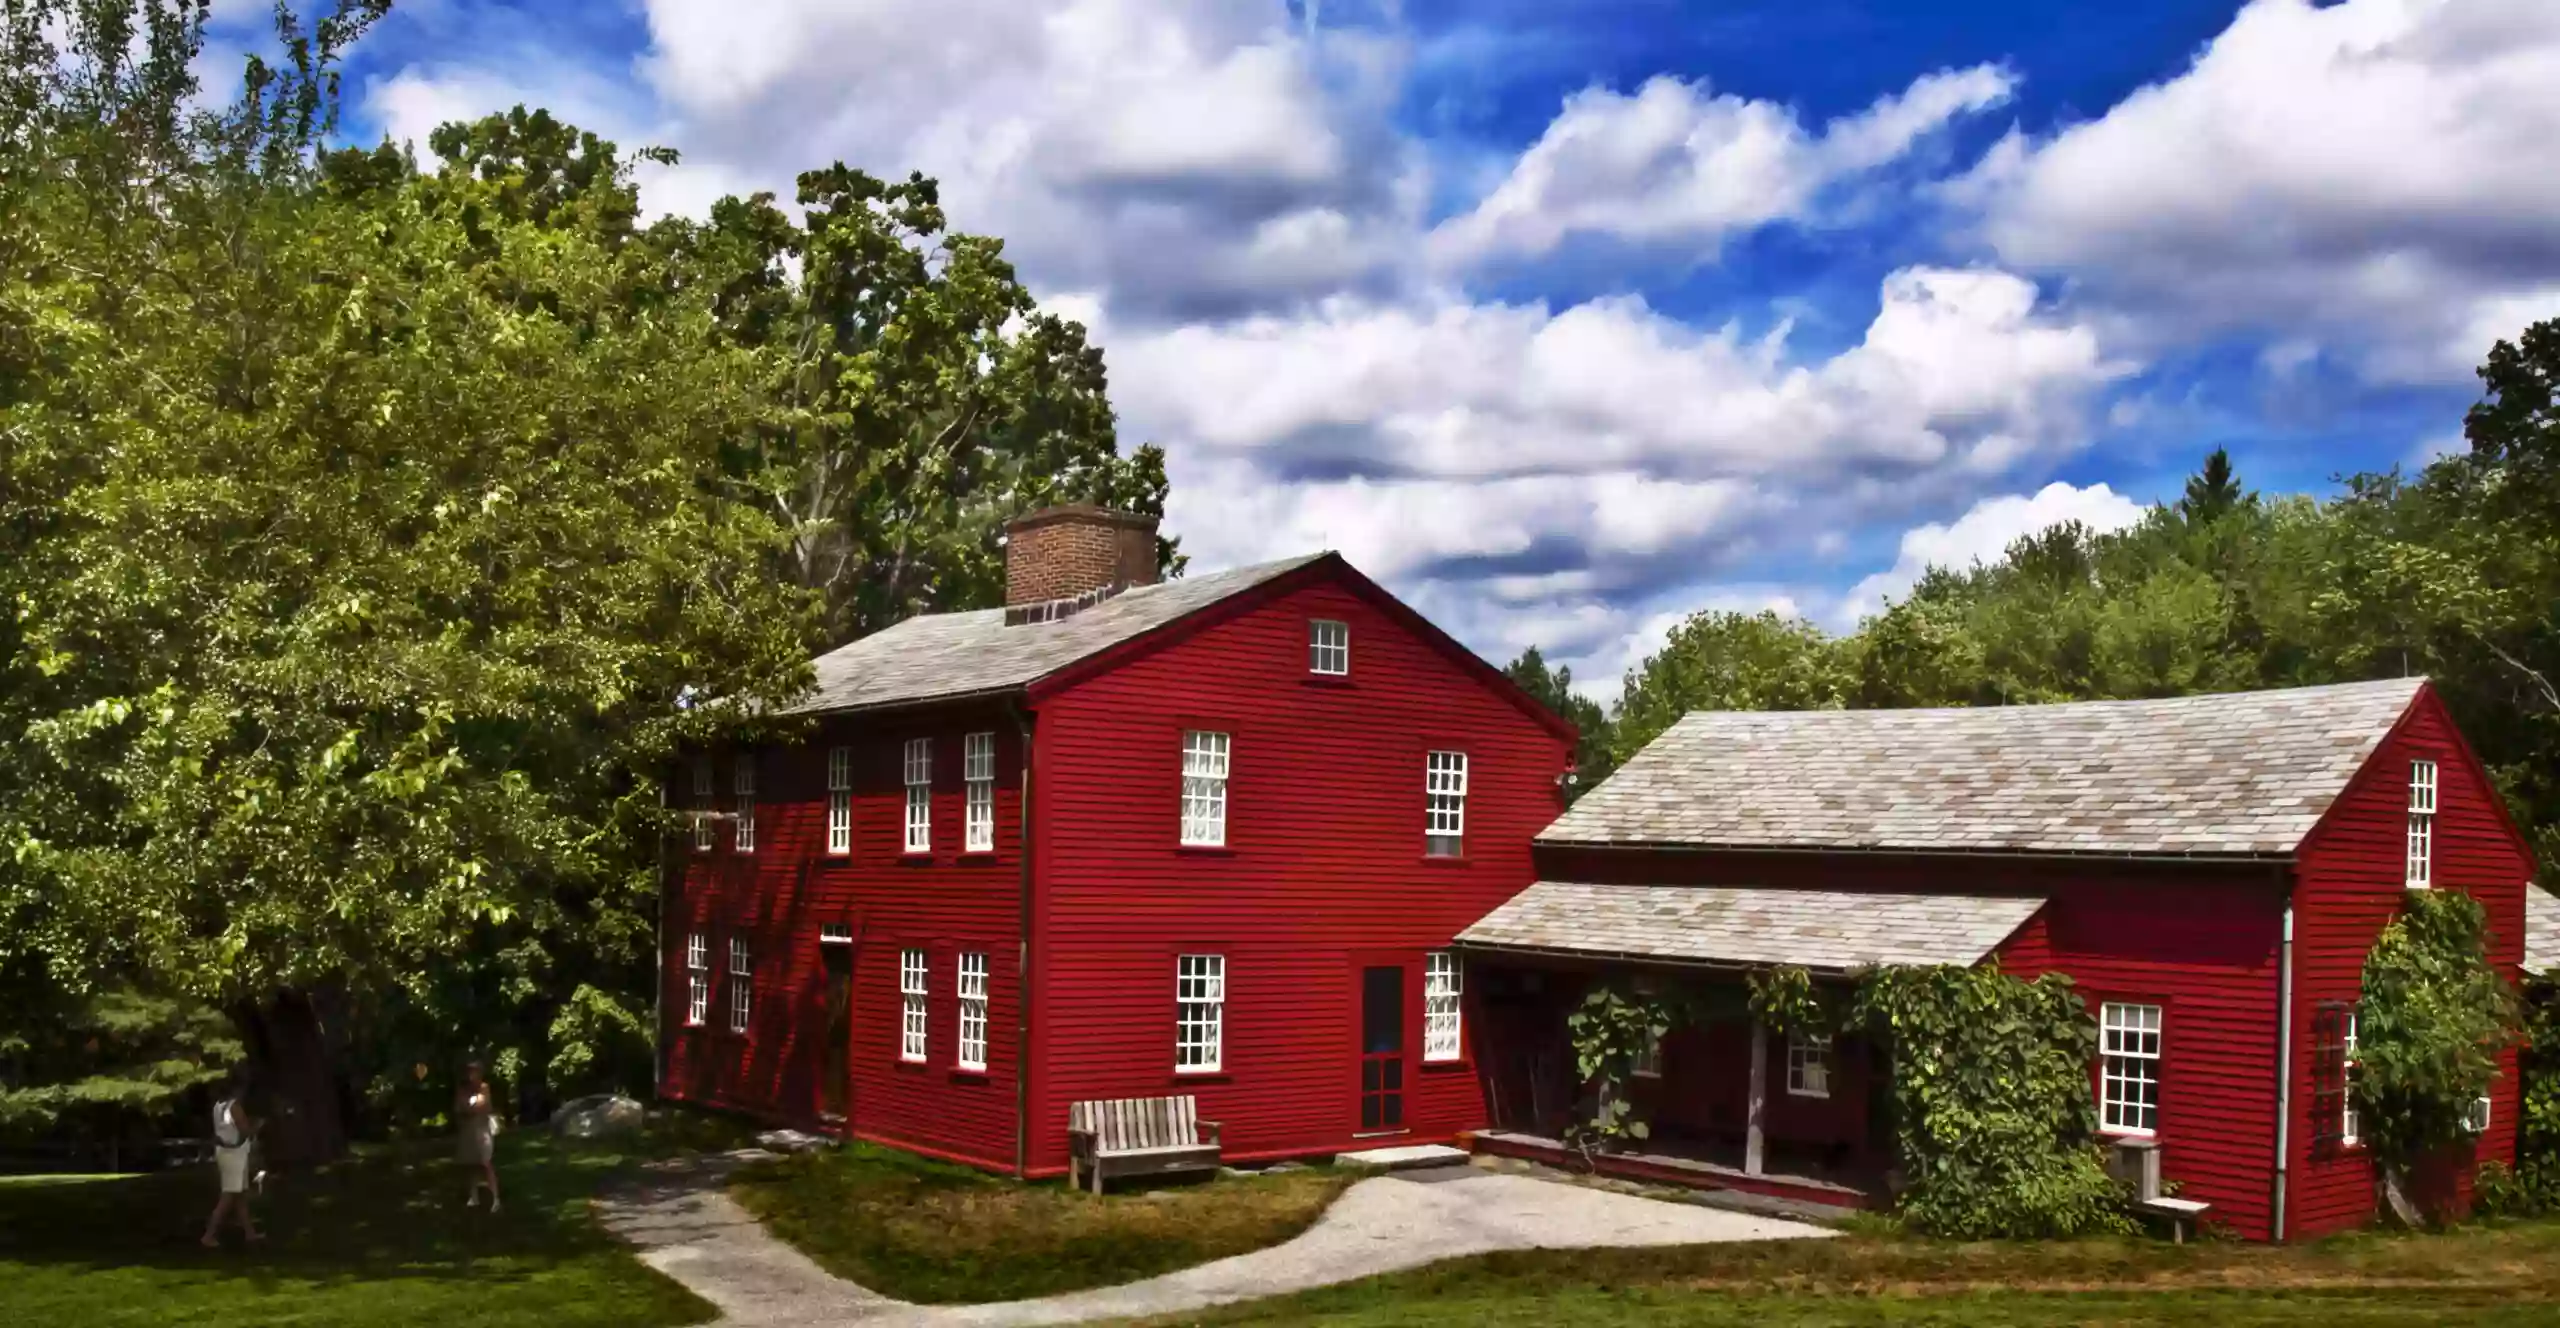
x: 1759, y: 1097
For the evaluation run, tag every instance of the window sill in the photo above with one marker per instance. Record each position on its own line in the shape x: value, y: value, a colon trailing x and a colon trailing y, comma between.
x: 1219, y: 1076
x: 1448, y: 1065
x: 967, y: 1074
x: 1808, y: 1097
x: 2130, y: 1136
x: 1204, y: 850
x: 906, y: 1066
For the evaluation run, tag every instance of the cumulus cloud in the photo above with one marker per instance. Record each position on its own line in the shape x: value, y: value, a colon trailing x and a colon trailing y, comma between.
x: 1982, y: 534
x: 1678, y: 165
x: 2375, y: 179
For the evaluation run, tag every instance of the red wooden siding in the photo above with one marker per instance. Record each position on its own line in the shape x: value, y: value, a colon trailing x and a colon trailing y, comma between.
x: 2199, y: 940
x: 945, y: 903
x: 2351, y: 879
x: 1323, y: 872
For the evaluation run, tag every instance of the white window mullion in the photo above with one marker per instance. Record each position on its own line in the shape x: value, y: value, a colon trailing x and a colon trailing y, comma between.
x: 840, y: 800
x: 1204, y: 788
x: 978, y: 768
x: 1200, y: 1013
x: 1444, y: 790
x: 919, y: 776
x: 702, y: 804
x: 973, y: 1011
x: 697, y: 980
x: 911, y: 1002
x: 1328, y: 647
x: 742, y: 985
x: 2422, y: 824
x: 2129, y: 1077
x: 745, y: 788
x: 1443, y: 994
x: 1808, y: 1065
x: 2350, y: 1121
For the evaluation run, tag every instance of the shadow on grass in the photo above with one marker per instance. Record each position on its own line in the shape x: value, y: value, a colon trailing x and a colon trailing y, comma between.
x: 938, y: 1233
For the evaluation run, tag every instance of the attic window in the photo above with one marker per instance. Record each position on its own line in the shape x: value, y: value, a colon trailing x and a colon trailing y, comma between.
x: 1328, y: 647
x: 2422, y: 824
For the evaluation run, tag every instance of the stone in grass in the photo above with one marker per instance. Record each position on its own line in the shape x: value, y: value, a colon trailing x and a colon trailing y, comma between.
x: 598, y: 1116
x: 792, y: 1141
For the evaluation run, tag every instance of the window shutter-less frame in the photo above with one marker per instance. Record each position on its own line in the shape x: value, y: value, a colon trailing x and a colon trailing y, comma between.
x: 2328, y: 1078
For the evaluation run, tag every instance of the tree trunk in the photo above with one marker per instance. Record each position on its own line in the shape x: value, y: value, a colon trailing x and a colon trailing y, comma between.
x: 293, y: 1079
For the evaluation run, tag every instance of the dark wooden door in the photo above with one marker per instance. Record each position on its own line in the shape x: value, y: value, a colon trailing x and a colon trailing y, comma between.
x: 1382, y: 1048
x: 835, y: 1058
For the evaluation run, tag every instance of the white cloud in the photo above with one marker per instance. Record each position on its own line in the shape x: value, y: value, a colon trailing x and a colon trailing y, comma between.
x: 1982, y: 534
x: 1678, y: 165
x: 2378, y: 176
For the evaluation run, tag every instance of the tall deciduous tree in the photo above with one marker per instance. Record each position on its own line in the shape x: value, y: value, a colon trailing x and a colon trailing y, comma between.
x: 1730, y: 661
x: 1553, y: 686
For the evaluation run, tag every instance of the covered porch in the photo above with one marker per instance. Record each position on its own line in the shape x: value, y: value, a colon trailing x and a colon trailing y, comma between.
x: 1730, y: 1103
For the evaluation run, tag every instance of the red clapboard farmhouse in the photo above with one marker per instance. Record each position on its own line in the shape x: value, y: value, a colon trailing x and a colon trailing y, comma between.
x: 1268, y: 839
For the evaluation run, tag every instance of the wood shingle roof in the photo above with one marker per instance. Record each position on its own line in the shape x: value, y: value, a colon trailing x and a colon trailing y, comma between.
x: 2244, y: 774
x: 1819, y: 930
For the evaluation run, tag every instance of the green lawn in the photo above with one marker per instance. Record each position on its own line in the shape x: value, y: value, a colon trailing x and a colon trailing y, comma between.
x: 933, y: 1232
x: 380, y: 1239
x: 2490, y: 1275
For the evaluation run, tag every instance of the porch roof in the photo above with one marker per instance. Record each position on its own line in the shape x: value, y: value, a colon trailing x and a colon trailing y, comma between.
x: 1824, y: 931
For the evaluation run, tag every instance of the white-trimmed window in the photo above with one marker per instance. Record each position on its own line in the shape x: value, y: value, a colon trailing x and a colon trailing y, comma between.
x: 919, y: 771
x: 1328, y: 647
x: 1444, y: 791
x: 1200, y: 1013
x: 2350, y: 1121
x: 697, y: 980
x: 2422, y: 824
x: 1808, y: 1065
x: 973, y: 1012
x: 1204, y: 788
x: 978, y: 768
x: 911, y: 998
x: 2129, y: 1072
x: 702, y: 804
x: 2475, y: 1120
x: 742, y: 985
x: 840, y: 800
x: 745, y: 788
x: 1442, y: 987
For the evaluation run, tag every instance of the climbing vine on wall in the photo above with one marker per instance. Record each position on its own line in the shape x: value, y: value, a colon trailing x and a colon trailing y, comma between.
x: 1610, y: 1031
x: 1992, y: 1110
x: 2532, y: 1186
x: 1786, y: 999
x: 2434, y: 1018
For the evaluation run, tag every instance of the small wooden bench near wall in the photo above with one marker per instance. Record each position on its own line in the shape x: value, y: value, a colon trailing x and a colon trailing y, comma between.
x: 1137, y: 1136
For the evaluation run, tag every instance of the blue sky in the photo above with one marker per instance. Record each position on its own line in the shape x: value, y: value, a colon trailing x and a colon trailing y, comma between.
x: 1567, y: 319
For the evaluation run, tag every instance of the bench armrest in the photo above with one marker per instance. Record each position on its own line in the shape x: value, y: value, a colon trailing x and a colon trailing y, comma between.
x: 1209, y: 1130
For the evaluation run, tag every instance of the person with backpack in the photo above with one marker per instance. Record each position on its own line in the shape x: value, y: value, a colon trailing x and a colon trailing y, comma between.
x: 235, y: 1131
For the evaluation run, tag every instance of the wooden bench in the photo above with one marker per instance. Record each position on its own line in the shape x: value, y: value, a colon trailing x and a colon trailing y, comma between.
x: 1137, y: 1136
x: 2136, y: 1162
x: 2180, y: 1214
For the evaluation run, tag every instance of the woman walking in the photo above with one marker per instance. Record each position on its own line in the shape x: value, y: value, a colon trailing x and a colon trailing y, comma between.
x: 234, y: 1131
x: 476, y: 1111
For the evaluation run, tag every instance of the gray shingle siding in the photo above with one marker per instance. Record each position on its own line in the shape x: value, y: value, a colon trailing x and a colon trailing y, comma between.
x: 2242, y: 774
x: 1820, y: 930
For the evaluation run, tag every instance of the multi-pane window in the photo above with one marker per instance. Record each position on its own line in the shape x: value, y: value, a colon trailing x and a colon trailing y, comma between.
x: 2350, y: 1121
x: 978, y: 768
x: 1441, y: 990
x: 919, y: 770
x: 1648, y: 1057
x: 742, y: 985
x: 840, y: 800
x: 702, y: 804
x: 911, y: 996
x: 2475, y: 1118
x: 697, y: 979
x: 745, y: 788
x: 1204, y: 788
x: 1328, y: 647
x: 1200, y: 1012
x: 1808, y: 1065
x: 2422, y: 824
x: 1444, y: 789
x: 2129, y: 1075
x: 973, y: 1012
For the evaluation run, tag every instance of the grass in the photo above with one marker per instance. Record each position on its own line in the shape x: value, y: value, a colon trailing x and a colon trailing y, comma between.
x: 2481, y: 1276
x: 379, y: 1239
x: 936, y: 1233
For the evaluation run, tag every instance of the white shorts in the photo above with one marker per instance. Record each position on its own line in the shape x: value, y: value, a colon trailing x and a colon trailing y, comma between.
x: 234, y: 1165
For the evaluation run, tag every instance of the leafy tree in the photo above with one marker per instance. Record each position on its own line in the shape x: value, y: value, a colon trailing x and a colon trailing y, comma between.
x: 1553, y: 686
x: 2434, y: 1019
x: 108, y: 1065
x: 376, y: 533
x: 1730, y: 661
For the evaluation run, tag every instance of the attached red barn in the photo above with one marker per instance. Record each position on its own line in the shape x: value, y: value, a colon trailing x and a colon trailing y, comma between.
x: 2210, y: 871
x: 1212, y: 836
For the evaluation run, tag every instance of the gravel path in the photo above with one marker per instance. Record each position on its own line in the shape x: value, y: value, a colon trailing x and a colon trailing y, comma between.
x: 686, y: 1228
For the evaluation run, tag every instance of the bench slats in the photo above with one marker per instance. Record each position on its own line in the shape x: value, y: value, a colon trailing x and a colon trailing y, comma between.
x: 1133, y: 1124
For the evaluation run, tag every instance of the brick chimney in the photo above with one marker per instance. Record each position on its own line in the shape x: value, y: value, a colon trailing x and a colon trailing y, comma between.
x: 1076, y: 552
